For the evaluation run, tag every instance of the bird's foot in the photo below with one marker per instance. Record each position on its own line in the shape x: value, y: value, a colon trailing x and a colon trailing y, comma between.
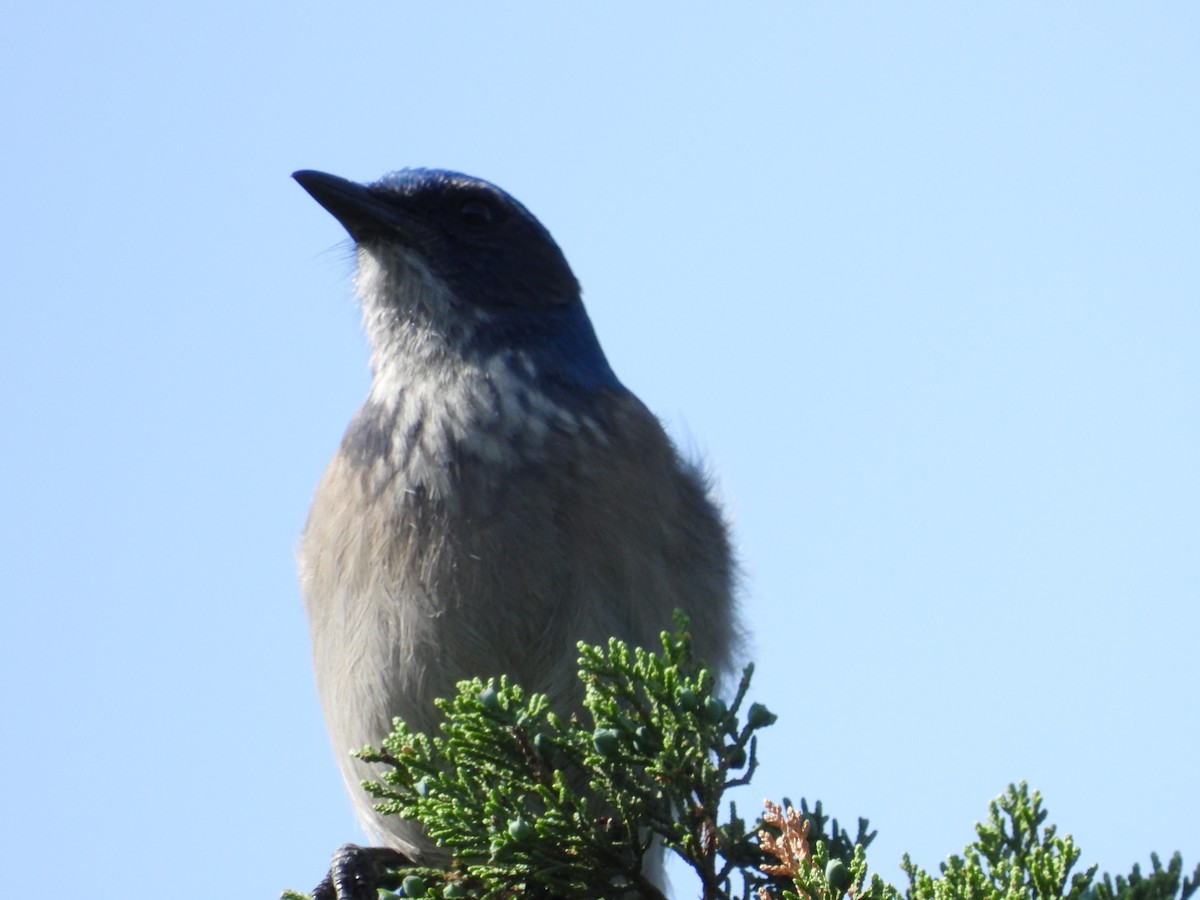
x: 354, y: 872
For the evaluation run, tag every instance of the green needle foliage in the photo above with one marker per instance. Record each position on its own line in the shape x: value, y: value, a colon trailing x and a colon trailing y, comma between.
x: 1009, y: 858
x: 1162, y: 884
x: 527, y: 803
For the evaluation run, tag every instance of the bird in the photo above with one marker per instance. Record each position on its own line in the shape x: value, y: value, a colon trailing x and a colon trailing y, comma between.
x: 499, y: 495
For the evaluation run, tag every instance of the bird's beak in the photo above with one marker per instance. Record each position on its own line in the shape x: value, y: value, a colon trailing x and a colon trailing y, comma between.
x: 362, y: 212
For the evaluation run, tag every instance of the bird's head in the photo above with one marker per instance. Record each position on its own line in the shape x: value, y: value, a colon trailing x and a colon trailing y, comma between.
x: 454, y: 256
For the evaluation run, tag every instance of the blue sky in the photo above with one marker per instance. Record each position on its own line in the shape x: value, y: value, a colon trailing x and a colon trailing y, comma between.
x: 920, y: 281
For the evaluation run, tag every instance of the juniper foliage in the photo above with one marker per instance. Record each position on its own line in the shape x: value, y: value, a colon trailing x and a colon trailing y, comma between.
x: 529, y: 804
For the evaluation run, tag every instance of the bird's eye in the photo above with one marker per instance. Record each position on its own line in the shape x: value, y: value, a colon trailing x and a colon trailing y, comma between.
x: 476, y: 213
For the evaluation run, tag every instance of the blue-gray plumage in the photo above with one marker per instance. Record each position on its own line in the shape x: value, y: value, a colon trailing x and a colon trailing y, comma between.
x: 500, y: 495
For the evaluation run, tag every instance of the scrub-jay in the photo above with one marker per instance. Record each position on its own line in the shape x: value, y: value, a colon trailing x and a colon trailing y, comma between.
x: 500, y: 495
